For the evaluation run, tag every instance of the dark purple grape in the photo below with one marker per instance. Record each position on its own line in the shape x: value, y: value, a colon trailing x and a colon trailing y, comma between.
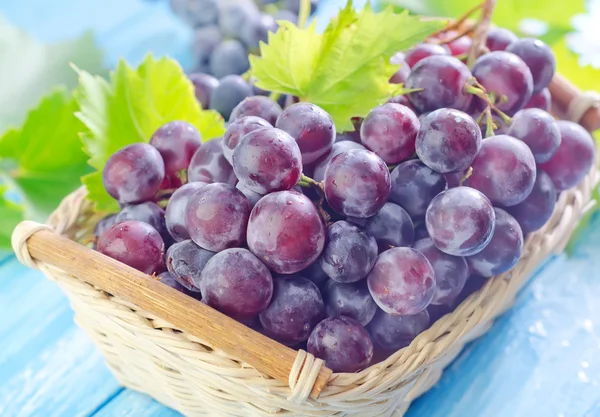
x: 209, y: 164
x: 460, y: 46
x: 134, y: 173
x: 196, y: 13
x: 237, y: 129
x: 538, y: 130
x: 391, y: 227
x: 337, y: 148
x: 234, y: 15
x: 401, y: 75
x: 460, y: 221
x: 167, y: 279
x: 231, y: 90
x: 453, y: 180
x: 176, y: 142
x: 357, y: 183
x: 258, y: 106
x: 541, y: 100
x: 421, y: 231
x: 104, y: 224
x: 350, y: 300
x: 574, y: 157
x: 498, y: 39
x: 342, y: 343
x: 311, y: 126
x: 403, y: 100
x: 539, y: 58
x: 185, y: 262
x: 422, y: 51
x: 536, y: 209
x: 257, y: 30
x: 206, y: 39
x: 402, y: 281
x: 390, y: 131
x: 236, y: 283
x: 296, y: 308
x: 136, y: 244
x: 204, y: 85
x: 251, y: 196
x: 442, y: 80
x: 229, y: 57
x: 315, y: 273
x: 175, y: 212
x: 451, y: 272
x: 392, y: 332
x: 414, y: 185
x: 267, y: 160
x: 149, y: 213
x: 353, y: 136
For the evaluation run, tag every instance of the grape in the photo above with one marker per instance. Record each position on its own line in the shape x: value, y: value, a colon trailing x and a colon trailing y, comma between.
x: 186, y: 261
x: 504, y: 170
x: 533, y: 212
x: 229, y: 57
x: 286, y: 15
x: 451, y: 272
x: 443, y: 80
x: 286, y: 232
x: 422, y: 51
x: 337, y: 148
x: 311, y: 126
x: 538, y: 130
x: 539, y: 58
x: 398, y: 58
x: 204, y: 85
x: 296, y: 308
x: 403, y: 100
x: 460, y: 221
x: 104, y: 224
x: 251, y: 196
x: 257, y: 30
x: 414, y: 185
x: 167, y: 279
x: 236, y: 283
x: 505, y: 74
x: 342, y: 343
x: 391, y: 227
x: 237, y: 129
x: 216, y: 217
x: 541, y: 100
x: 402, y: 281
x: 196, y: 12
x: 498, y: 39
x: 357, y: 183
x: 448, y: 140
x: 315, y: 273
x: 267, y: 160
x: 349, y: 300
x: 503, y: 251
x: 393, y: 332
x: 390, y: 131
x: 149, y: 213
x: 176, y: 142
x: 258, y: 106
x: 209, y: 164
x: 349, y: 253
x: 231, y: 90
x: 235, y: 14
x: 175, y: 212
x: 421, y: 231
x: 460, y: 46
x: 206, y: 39
x: 401, y: 75
x: 574, y: 157
x: 136, y: 244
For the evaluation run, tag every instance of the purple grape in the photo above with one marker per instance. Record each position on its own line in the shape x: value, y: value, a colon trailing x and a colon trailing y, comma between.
x: 206, y: 39
x: 539, y: 58
x: 451, y: 272
x: 448, y: 140
x: 103, y: 224
x: 421, y: 231
x: 342, y: 343
x: 460, y: 46
x: 175, y: 212
x: 134, y: 173
x: 401, y: 75
x: 357, y: 183
x: 311, y: 126
x: 296, y: 308
x: 541, y: 100
x: 185, y: 262
x: 136, y: 244
x: 349, y: 300
x: 231, y: 90
x: 147, y: 212
x: 209, y: 164
x: 337, y: 148
x: 460, y: 221
x: 257, y: 30
x: 392, y: 332
x: 286, y: 232
x: 403, y: 100
x: 538, y: 130
x: 453, y: 179
x: 414, y: 185
x: 443, y: 80
x: 176, y: 142
x: 229, y: 57
x: 536, y: 209
x: 315, y: 273
x: 237, y: 129
x: 258, y: 106
x: 204, y: 85
x: 267, y: 160
x: 167, y: 279
x: 504, y: 170
x: 251, y: 196
x: 574, y: 157
x: 391, y: 227
x: 422, y: 51
x: 353, y: 136
x: 503, y: 251
x: 402, y: 281
x: 349, y: 253
x: 498, y: 39
x: 236, y: 283
x: 390, y: 131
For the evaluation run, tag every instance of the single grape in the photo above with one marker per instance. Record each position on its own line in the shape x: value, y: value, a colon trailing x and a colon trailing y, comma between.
x: 311, y: 126
x: 136, y: 244
x: 258, y: 106
x: 390, y: 131
x: 296, y: 308
x: 204, y: 85
x: 134, y: 173
x: 448, y: 140
x: 236, y: 283
x: 149, y: 213
x: 460, y: 46
x: 398, y: 58
x: 315, y: 273
x: 541, y: 100
x: 460, y: 221
x: 206, y: 39
x: 402, y: 281
x: 538, y: 130
x: 414, y: 185
x: 237, y: 129
x: 235, y: 14
x: 209, y: 164
x: 422, y: 51
x: 539, y: 58
x: 175, y: 212
x: 533, y: 212
x: 574, y: 157
x: 442, y: 80
x: 167, y: 279
x: 498, y: 39
x: 196, y: 12
x: 403, y: 100
x: 342, y: 343
x: 451, y: 272
x: 391, y: 227
x: 401, y: 75
x: 104, y: 224
x: 337, y: 148
x: 349, y: 300
x: 286, y: 232
x: 421, y: 231
x: 352, y: 136
x: 251, y: 196
x: 216, y: 217
x: 504, y: 170
x: 176, y: 142
x: 229, y: 57
x: 185, y: 261
x: 357, y: 183
x: 257, y: 30
x: 231, y: 90
x: 392, y: 332
x: 267, y: 160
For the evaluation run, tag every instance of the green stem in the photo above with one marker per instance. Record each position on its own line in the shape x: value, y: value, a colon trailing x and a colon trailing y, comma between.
x: 274, y: 95
x: 304, y: 12
x: 467, y: 175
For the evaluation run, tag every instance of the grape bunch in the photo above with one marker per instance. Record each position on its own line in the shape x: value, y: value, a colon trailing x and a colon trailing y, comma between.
x: 350, y: 244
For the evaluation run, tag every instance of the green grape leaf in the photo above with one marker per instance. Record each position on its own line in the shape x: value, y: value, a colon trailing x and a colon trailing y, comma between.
x: 344, y: 70
x: 129, y: 108
x: 10, y: 215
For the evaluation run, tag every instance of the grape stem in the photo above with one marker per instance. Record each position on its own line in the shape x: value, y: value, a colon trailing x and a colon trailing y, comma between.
x: 467, y: 175
x: 464, y: 32
x: 274, y: 95
x: 304, y: 12
x: 489, y: 98
x: 457, y: 23
x: 481, y: 31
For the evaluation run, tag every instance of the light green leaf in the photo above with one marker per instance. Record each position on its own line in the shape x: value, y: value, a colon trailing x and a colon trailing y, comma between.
x: 10, y: 215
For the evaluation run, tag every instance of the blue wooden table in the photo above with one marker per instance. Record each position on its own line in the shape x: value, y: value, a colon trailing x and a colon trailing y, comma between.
x: 540, y: 359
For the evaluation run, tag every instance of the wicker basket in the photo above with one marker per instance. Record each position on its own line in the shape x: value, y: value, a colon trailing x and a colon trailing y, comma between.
x: 200, y: 362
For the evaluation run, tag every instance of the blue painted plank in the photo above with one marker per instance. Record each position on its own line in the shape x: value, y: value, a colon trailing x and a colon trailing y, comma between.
x: 133, y: 404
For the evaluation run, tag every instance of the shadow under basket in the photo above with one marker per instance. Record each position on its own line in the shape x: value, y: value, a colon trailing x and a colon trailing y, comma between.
x: 202, y: 363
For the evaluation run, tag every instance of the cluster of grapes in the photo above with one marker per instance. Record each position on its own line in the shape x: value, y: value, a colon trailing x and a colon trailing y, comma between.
x: 350, y: 244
